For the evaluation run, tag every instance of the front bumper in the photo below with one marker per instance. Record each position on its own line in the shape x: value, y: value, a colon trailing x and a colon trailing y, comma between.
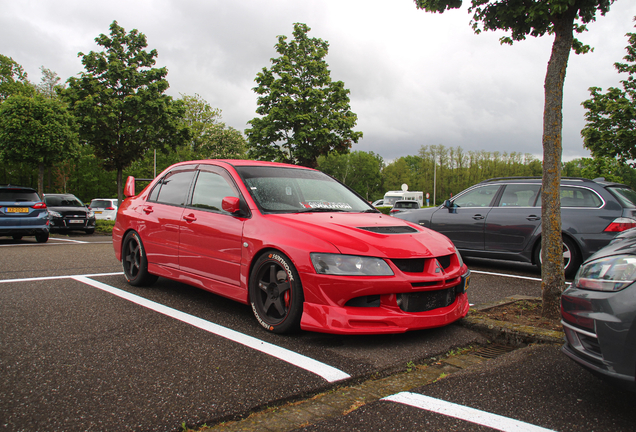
x: 389, y: 312
x: 68, y: 224
x: 600, y: 332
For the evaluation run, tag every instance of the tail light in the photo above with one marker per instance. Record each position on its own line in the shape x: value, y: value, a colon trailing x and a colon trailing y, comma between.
x: 39, y: 205
x: 621, y: 224
x: 110, y: 208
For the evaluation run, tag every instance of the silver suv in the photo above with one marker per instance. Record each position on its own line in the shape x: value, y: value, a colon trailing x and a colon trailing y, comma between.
x: 501, y: 218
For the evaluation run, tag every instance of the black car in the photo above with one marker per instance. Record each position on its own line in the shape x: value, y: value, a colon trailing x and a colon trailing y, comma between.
x: 501, y: 218
x: 598, y: 313
x: 69, y: 213
x: 22, y: 213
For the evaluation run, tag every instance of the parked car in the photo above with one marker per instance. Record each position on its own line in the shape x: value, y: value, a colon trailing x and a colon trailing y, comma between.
x: 378, y: 203
x: 298, y: 246
x: 104, y: 208
x: 68, y: 213
x: 22, y: 213
x: 404, y: 205
x: 501, y: 218
x: 599, y: 313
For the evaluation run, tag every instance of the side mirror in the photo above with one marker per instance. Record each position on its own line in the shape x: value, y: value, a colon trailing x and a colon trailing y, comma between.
x: 447, y: 204
x: 129, y: 189
x: 231, y: 204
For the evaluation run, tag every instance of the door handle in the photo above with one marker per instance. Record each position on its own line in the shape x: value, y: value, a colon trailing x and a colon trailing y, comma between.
x: 533, y: 218
x: 148, y: 210
x: 190, y: 218
x: 478, y: 217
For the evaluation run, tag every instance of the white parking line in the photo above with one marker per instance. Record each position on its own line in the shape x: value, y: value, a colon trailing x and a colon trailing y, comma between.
x: 43, y: 278
x: 325, y: 371
x: 461, y: 412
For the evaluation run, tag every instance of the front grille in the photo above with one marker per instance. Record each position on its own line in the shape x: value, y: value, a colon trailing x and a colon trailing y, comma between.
x: 426, y: 300
x: 390, y: 229
x: 415, y: 265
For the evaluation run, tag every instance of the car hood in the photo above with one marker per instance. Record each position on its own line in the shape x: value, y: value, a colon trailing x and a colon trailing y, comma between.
x: 369, y: 234
x: 625, y: 243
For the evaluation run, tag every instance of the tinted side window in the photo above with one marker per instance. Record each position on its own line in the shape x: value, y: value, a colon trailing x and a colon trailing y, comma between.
x: 478, y: 197
x: 209, y: 191
x: 173, y: 188
x: 577, y: 197
x: 519, y: 195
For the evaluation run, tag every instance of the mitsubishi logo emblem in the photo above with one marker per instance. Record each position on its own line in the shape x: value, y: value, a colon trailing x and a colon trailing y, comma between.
x: 438, y: 267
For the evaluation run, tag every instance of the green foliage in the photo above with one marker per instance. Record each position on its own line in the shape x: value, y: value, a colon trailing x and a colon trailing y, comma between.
x: 453, y: 170
x: 13, y: 79
x: 304, y: 114
x: 104, y: 226
x: 37, y: 131
x: 211, y: 138
x: 611, y: 116
x: 361, y: 171
x: 120, y: 102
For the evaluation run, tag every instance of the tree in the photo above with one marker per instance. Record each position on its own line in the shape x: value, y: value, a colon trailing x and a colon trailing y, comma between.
x: 359, y: 170
x: 120, y: 102
x: 304, y: 113
x: 211, y: 138
x: 523, y: 18
x: 50, y: 83
x: 611, y: 117
x: 13, y: 79
x: 37, y: 131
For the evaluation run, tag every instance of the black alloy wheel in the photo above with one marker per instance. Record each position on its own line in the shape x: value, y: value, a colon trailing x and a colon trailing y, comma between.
x: 276, y: 293
x: 134, y: 261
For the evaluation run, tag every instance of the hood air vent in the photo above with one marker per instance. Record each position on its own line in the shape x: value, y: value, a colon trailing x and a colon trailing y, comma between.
x: 390, y: 229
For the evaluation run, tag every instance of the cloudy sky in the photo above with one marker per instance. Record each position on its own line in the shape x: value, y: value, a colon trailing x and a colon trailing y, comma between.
x: 416, y: 78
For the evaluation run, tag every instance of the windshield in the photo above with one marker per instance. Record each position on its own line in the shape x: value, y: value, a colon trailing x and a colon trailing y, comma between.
x: 625, y: 195
x: 290, y: 190
x: 62, y: 201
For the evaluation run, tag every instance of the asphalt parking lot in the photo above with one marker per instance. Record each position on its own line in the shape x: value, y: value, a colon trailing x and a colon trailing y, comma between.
x: 82, y: 350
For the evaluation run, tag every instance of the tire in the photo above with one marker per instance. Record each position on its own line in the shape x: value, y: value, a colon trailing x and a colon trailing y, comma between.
x: 42, y: 237
x: 276, y: 293
x: 17, y: 237
x: 134, y: 262
x: 89, y: 231
x: 571, y: 257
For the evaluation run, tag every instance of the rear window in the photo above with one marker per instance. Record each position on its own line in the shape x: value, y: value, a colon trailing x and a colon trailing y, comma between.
x: 101, y: 203
x: 18, y: 195
x: 625, y: 195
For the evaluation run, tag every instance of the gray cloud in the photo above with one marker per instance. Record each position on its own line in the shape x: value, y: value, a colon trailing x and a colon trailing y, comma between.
x: 415, y: 78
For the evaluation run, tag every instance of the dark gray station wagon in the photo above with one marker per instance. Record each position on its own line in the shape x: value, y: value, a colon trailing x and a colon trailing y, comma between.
x: 501, y: 218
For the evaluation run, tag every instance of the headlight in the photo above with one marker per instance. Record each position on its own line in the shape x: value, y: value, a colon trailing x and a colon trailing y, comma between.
x: 349, y: 265
x: 607, y: 274
x: 55, y: 214
x: 459, y: 258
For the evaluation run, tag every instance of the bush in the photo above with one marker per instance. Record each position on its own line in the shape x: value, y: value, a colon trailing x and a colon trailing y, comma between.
x: 104, y: 226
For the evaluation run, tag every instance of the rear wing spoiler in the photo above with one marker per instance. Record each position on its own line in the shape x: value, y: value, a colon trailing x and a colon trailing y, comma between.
x: 129, y: 188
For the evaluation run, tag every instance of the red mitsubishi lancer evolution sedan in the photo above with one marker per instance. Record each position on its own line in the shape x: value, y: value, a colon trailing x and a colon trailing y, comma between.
x: 302, y: 249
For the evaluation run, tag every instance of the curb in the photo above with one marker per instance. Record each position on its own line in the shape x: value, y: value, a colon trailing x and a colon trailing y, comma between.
x: 509, y: 333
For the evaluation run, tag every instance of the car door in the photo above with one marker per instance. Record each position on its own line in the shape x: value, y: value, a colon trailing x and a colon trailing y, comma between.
x: 513, y: 221
x: 161, y: 216
x: 464, y: 221
x: 211, y: 238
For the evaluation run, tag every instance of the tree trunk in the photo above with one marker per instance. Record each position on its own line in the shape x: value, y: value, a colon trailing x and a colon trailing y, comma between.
x: 41, y: 179
x: 552, y: 277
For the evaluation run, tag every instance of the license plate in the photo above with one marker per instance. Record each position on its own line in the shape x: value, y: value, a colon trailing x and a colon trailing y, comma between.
x: 98, y: 212
x: 17, y: 209
x: 76, y: 221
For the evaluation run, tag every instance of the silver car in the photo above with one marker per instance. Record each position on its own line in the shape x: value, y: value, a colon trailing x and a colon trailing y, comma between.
x: 599, y: 313
x: 104, y: 208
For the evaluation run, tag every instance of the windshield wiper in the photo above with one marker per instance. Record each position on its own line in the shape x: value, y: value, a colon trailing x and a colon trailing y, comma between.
x: 320, y: 209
